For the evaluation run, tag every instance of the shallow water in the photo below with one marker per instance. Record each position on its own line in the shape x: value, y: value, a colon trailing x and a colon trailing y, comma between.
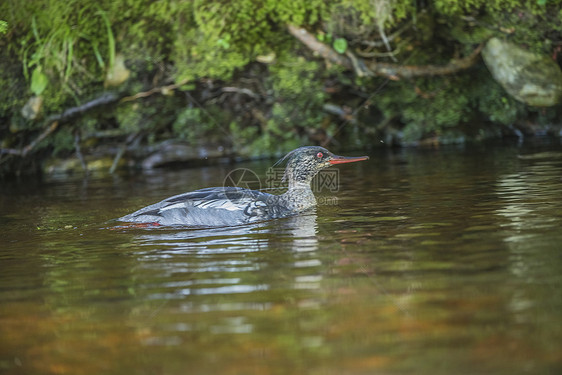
x: 423, y: 262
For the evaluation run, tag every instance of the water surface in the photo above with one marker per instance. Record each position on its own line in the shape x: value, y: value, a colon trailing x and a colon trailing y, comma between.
x: 424, y: 262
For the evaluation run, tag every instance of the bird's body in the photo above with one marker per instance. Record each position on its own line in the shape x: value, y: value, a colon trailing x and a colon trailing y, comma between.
x: 220, y: 206
x: 229, y: 206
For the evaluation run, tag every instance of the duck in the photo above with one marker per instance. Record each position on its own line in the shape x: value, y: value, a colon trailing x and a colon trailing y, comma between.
x: 233, y: 206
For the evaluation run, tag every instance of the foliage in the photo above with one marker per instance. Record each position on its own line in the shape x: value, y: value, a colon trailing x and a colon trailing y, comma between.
x: 435, y: 106
x: 299, y: 91
x: 340, y: 45
x: 381, y: 12
x: 226, y: 35
x: 492, y: 100
x: 456, y: 7
x: 3, y: 27
x: 39, y: 81
x: 533, y: 23
x: 194, y: 124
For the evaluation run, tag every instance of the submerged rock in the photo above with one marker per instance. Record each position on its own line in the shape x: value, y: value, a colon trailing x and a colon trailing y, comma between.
x: 531, y: 78
x: 71, y: 165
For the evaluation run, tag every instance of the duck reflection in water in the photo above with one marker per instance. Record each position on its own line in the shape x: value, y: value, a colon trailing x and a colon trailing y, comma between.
x: 302, y: 229
x: 230, y: 260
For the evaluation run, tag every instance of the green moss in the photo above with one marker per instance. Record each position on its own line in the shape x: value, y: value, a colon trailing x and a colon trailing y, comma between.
x: 530, y: 23
x: 470, y: 34
x: 216, y: 38
x: 131, y: 117
x: 492, y: 101
x: 456, y: 7
x: 381, y: 12
x: 61, y: 142
x: 299, y: 92
x: 442, y: 106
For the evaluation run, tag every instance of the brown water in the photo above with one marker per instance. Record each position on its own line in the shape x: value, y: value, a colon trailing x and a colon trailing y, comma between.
x: 428, y: 262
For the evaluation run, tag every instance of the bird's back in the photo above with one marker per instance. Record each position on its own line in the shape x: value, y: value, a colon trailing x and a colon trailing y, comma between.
x: 211, y: 207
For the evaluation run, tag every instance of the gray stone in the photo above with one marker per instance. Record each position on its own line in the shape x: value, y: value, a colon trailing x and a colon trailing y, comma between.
x: 171, y: 152
x: 531, y: 78
x: 32, y: 108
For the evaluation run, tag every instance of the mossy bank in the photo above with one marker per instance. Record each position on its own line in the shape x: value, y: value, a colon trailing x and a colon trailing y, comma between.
x: 227, y: 76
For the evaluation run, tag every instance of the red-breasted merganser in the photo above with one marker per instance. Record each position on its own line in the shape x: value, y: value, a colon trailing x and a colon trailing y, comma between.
x: 229, y: 206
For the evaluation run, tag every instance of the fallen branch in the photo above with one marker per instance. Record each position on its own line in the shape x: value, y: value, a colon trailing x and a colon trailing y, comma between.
x: 391, y: 71
x: 24, y: 151
x: 53, y: 122
x: 104, y: 99
x: 130, y: 139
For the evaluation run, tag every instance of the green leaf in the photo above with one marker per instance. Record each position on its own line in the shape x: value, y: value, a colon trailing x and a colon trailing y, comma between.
x: 110, y: 38
x: 39, y: 81
x: 222, y: 42
x: 97, y: 54
x: 70, y: 48
x: 3, y: 27
x: 340, y: 45
x: 187, y: 87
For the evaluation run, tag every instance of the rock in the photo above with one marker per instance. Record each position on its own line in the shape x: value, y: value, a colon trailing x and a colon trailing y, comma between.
x: 266, y: 59
x: 118, y: 73
x: 171, y: 153
x: 32, y: 108
x: 531, y: 78
x: 71, y: 165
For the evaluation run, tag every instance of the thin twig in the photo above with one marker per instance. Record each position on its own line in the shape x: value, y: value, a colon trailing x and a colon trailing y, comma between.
x: 130, y: 139
x: 390, y: 54
x: 392, y: 36
x: 155, y: 90
x: 79, y: 151
x: 10, y: 151
x: 245, y: 91
x: 117, y: 158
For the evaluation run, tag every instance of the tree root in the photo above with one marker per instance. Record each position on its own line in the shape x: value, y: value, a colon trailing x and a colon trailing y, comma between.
x: 373, y: 68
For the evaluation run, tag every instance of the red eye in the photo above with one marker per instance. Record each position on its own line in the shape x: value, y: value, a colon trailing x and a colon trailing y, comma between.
x: 319, y: 155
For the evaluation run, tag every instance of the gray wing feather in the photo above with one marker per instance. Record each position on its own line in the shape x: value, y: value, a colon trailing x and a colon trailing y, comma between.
x: 205, y: 207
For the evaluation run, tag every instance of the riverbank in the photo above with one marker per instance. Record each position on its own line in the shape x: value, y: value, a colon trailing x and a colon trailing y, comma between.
x: 120, y: 82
